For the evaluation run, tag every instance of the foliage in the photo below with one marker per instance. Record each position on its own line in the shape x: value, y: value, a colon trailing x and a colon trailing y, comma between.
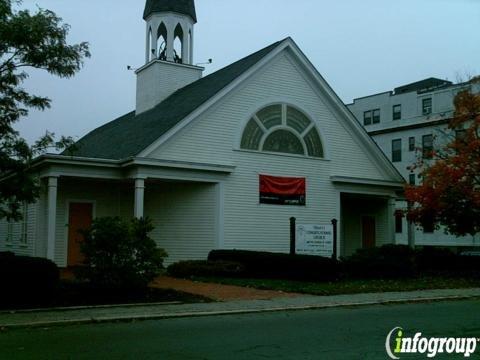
x: 28, y: 41
x: 386, y: 262
x: 120, y: 253
x: 27, y: 281
x: 280, y: 266
x: 186, y: 269
x: 450, y: 191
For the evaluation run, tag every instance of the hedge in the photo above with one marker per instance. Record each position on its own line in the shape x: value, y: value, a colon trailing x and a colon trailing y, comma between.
x: 280, y: 266
x: 27, y: 280
x: 386, y: 262
x: 186, y: 269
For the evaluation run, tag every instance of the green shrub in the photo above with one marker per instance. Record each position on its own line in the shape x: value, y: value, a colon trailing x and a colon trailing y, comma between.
x: 280, y: 266
x: 386, y: 262
x: 27, y: 281
x: 120, y: 254
x: 187, y: 269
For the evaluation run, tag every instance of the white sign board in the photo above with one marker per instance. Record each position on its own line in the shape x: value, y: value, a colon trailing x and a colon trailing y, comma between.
x: 314, y: 240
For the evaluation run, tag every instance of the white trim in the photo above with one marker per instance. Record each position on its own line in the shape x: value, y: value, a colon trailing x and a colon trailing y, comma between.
x: 339, y: 107
x: 362, y: 181
x: 52, y: 196
x: 284, y: 102
x: 212, y: 101
x: 290, y: 130
x: 67, y: 218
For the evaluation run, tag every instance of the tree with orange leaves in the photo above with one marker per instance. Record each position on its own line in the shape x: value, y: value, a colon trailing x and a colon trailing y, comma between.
x: 450, y: 192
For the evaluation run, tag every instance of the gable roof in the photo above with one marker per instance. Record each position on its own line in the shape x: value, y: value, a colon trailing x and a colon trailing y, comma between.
x: 186, y: 7
x: 128, y: 135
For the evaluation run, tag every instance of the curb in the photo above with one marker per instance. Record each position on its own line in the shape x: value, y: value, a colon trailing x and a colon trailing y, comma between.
x: 133, y: 318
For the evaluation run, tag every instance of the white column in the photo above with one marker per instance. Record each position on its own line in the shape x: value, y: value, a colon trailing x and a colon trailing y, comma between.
x: 219, y: 216
x: 170, y: 41
x: 139, y: 198
x: 52, y: 183
x: 391, y: 206
x: 148, y: 45
x: 185, y: 48
x: 191, y: 47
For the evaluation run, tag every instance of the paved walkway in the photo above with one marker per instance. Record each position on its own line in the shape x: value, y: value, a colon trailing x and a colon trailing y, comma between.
x: 22, y: 319
x: 218, y: 292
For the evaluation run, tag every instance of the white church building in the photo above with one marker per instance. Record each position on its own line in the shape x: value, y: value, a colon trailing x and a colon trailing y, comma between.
x: 217, y: 162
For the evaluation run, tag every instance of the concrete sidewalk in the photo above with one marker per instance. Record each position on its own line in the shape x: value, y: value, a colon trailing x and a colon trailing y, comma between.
x: 150, y: 312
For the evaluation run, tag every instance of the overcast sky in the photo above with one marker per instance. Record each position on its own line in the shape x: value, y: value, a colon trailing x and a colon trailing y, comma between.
x: 360, y: 48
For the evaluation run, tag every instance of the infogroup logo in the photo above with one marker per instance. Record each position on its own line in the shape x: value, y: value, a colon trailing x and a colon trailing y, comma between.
x: 397, y: 344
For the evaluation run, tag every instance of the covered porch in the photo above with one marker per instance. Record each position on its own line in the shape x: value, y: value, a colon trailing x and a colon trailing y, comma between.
x: 367, y: 213
x: 185, y: 205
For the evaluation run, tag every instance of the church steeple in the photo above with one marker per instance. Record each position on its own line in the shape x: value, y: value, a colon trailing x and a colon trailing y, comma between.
x: 185, y: 7
x: 169, y: 51
x: 170, y: 25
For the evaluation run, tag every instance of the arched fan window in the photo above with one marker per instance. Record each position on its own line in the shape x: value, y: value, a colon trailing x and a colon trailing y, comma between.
x: 282, y: 129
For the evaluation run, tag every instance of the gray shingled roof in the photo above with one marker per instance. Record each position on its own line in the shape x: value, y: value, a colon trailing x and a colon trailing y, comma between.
x: 186, y: 7
x: 128, y: 135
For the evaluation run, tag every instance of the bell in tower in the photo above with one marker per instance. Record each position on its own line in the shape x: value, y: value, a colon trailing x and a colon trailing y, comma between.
x: 170, y: 25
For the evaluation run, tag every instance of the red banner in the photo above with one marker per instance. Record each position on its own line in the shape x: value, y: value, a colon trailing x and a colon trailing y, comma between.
x: 282, y: 190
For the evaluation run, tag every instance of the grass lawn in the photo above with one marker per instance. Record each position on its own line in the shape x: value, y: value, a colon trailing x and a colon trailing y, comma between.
x: 348, y: 286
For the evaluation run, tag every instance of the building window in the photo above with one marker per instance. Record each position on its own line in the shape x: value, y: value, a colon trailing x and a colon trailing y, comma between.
x: 411, y: 144
x: 9, y: 239
x: 24, y: 233
x: 367, y: 118
x: 398, y: 222
x: 412, y: 179
x: 282, y: 129
x: 376, y: 116
x: 397, y: 112
x: 397, y: 150
x: 427, y: 146
x: 460, y: 135
x: 427, y: 106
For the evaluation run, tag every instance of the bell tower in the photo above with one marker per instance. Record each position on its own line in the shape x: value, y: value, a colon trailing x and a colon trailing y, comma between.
x: 169, y: 51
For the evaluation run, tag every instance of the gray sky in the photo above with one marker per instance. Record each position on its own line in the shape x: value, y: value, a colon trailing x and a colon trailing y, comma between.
x: 360, y: 47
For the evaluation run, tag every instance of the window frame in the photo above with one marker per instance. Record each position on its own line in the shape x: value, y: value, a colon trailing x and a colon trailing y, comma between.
x: 412, y: 179
x: 397, y: 115
x: 370, y: 121
x: 396, y: 154
x: 23, y: 240
x: 316, y: 150
x: 427, y: 155
x: 411, y: 143
x: 376, y: 117
x: 427, y: 110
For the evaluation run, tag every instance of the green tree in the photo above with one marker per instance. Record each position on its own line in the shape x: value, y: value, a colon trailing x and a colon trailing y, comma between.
x: 28, y: 41
x: 120, y: 253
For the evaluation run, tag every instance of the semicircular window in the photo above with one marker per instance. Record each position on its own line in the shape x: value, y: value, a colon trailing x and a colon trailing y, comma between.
x: 282, y: 129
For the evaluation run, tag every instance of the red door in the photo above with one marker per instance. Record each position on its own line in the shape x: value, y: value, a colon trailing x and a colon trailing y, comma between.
x: 80, y: 218
x: 368, y: 232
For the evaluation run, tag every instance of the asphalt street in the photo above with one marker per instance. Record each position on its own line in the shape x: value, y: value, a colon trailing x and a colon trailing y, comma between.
x: 340, y: 333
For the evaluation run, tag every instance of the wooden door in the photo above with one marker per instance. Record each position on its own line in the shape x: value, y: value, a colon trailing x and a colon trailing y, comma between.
x: 80, y: 218
x: 368, y: 232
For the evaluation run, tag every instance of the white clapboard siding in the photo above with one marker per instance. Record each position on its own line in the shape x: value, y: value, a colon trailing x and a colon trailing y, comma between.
x: 17, y: 245
x: 212, y: 136
x: 184, y: 218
